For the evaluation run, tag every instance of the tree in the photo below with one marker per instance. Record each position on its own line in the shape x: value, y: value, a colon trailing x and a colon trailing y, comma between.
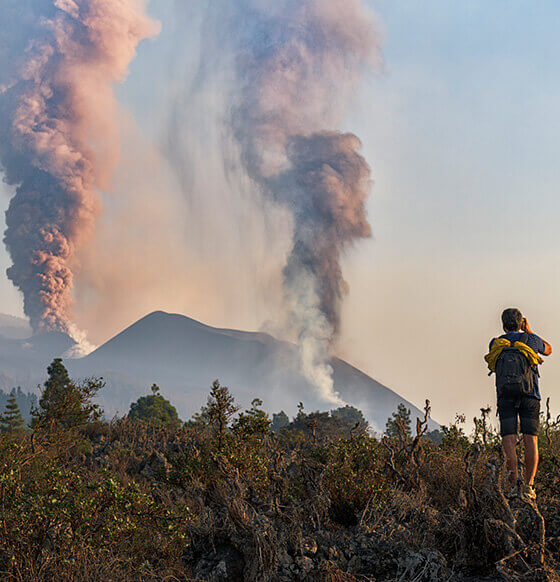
x: 12, y: 420
x: 219, y: 410
x: 324, y: 426
x: 199, y: 420
x: 154, y: 408
x: 454, y: 436
x: 26, y: 402
x: 352, y: 418
x: 436, y: 436
x: 280, y: 420
x: 398, y: 424
x: 65, y: 402
x: 254, y: 423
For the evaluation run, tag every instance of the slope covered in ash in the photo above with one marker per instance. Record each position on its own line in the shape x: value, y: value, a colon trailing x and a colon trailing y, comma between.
x: 184, y: 356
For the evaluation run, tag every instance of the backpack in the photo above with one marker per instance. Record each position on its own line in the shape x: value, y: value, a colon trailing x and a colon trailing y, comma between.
x: 514, y: 375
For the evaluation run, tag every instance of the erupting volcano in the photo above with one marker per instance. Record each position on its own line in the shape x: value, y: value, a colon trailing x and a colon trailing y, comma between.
x: 59, y: 137
x: 296, y: 66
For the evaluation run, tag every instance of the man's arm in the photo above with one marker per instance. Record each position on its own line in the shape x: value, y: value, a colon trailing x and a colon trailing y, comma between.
x: 527, y: 328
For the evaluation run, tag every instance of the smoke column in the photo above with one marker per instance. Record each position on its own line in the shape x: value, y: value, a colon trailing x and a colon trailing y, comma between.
x: 59, y: 61
x: 296, y: 65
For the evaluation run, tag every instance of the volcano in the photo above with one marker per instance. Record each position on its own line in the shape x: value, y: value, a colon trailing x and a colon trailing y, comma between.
x: 184, y: 357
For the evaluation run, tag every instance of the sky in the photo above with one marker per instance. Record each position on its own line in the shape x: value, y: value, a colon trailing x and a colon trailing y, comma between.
x: 460, y: 125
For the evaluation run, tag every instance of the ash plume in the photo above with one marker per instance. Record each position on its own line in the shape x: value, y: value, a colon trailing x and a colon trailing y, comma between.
x: 59, y: 60
x: 296, y: 65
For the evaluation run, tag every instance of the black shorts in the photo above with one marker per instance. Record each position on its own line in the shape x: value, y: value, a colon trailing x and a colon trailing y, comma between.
x: 527, y: 408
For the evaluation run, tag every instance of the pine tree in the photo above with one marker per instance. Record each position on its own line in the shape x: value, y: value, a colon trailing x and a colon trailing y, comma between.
x: 280, y: 420
x: 253, y: 423
x: 399, y: 423
x: 352, y: 418
x: 12, y: 420
x: 219, y: 410
x: 66, y: 402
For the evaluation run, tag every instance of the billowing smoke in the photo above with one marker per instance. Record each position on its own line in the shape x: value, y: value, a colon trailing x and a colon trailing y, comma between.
x: 326, y: 185
x: 296, y: 64
x: 59, y: 60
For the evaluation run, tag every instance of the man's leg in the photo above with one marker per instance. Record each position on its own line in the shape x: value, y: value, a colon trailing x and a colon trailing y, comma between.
x: 531, y: 457
x: 529, y: 413
x: 508, y: 444
x: 507, y: 412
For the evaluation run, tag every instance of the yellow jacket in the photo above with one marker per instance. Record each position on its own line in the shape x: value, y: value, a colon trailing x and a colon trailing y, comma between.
x: 498, y: 346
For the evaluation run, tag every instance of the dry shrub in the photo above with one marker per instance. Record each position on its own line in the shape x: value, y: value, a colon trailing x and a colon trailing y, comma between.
x: 128, y: 500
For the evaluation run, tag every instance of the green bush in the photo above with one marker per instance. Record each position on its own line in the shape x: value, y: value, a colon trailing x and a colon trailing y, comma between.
x: 154, y: 408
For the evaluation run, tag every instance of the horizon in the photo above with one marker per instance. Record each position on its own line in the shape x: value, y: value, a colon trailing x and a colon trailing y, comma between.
x: 147, y: 338
x: 68, y: 356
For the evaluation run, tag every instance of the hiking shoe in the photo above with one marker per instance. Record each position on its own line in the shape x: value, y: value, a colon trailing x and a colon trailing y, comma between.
x: 529, y: 493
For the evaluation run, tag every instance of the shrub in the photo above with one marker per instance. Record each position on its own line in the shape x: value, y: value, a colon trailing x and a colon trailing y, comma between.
x: 224, y: 497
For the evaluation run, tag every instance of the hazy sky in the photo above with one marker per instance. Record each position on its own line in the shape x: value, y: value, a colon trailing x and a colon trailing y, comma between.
x: 462, y: 128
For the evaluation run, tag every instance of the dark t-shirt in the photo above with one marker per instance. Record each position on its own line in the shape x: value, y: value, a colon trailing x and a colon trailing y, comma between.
x: 534, y: 342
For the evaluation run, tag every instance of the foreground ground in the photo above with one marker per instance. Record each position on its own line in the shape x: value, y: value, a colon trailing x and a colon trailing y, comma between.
x: 213, y: 500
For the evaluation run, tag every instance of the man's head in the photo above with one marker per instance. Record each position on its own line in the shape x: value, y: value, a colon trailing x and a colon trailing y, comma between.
x: 512, y: 319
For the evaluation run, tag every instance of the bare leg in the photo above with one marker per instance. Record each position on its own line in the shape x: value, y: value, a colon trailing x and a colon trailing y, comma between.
x: 531, y: 457
x: 508, y: 444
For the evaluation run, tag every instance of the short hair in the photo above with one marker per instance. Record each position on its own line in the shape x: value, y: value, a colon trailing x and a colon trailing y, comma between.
x: 512, y: 319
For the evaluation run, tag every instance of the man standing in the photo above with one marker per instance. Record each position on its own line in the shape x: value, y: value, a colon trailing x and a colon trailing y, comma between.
x: 519, y: 403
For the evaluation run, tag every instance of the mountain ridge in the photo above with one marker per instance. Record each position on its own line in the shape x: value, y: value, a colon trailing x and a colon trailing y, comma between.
x: 252, y: 364
x: 183, y: 356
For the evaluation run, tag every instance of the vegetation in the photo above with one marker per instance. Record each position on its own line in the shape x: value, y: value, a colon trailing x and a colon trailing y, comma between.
x: 399, y: 423
x: 225, y: 497
x: 280, y: 420
x: 65, y: 403
x: 26, y: 402
x: 154, y: 408
x: 12, y: 420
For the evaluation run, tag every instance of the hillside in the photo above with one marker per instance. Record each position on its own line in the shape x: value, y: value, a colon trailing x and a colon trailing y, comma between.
x: 184, y: 356
x: 23, y: 362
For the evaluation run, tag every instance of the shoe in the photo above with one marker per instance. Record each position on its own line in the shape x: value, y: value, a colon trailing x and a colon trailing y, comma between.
x: 529, y: 493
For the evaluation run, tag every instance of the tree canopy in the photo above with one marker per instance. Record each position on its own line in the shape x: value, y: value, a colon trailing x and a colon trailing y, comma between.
x: 154, y: 408
x: 65, y: 401
x: 280, y: 420
x: 399, y: 422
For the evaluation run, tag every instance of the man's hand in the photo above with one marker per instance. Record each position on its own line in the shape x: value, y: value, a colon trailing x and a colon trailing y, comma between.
x: 525, y: 326
x: 527, y: 329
